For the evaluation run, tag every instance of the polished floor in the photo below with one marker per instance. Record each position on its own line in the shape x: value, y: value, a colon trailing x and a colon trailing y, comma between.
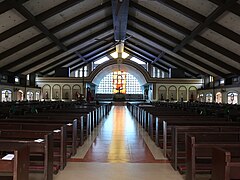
x: 119, y: 149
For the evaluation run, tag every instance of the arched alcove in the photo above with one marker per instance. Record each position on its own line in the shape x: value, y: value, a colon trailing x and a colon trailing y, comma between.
x: 192, y: 93
x: 182, y: 93
x: 66, y: 92
x: 76, y: 92
x: 172, y: 93
x: 162, y: 93
x: 56, y: 91
x: 46, y: 91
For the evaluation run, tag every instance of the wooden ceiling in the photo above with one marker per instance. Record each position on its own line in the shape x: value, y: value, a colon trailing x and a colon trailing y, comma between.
x: 201, y: 37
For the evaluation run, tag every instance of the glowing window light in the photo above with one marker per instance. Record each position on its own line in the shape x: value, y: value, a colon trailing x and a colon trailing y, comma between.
x: 125, y: 55
x: 114, y: 55
x: 137, y: 60
x: 100, y: 61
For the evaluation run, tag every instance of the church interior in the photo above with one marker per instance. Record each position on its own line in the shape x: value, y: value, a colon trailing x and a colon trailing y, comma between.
x: 119, y: 89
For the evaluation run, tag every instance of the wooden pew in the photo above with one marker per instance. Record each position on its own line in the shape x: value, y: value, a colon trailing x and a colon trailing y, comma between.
x: 44, y: 148
x: 199, y: 149
x: 178, y: 151
x: 163, y: 126
x: 58, y: 131
x: 226, y: 163
x: 71, y: 126
x: 19, y: 165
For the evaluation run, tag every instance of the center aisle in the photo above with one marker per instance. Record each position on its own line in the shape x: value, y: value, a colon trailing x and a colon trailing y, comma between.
x: 119, y: 140
x: 117, y: 152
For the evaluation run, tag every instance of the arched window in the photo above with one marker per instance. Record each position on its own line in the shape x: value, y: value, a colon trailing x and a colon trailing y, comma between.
x: 6, y: 95
x: 117, y: 81
x: 29, y: 95
x: 37, y: 96
x: 218, y: 97
x: 232, y: 98
x: 201, y: 97
x: 19, y: 95
x: 209, y: 97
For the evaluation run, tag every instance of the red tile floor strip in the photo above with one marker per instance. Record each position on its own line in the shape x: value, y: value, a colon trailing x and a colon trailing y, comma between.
x: 119, y: 140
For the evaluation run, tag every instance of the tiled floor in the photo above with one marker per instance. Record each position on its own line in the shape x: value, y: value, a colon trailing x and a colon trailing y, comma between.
x: 118, y: 149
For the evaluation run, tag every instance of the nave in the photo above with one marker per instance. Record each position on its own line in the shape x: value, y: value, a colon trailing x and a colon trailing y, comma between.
x: 118, y: 149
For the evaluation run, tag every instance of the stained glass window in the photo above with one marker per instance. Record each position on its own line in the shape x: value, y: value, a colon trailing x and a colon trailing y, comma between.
x: 119, y: 82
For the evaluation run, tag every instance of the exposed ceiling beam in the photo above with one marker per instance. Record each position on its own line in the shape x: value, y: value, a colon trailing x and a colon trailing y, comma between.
x: 218, y: 48
x: 41, y: 17
x: 180, y: 65
x: 195, y: 51
x: 138, y: 55
x: 21, y: 9
x: 154, y: 29
x: 205, y: 66
x: 183, y: 67
x: 80, y: 56
x: 160, y: 55
x: 80, y: 17
x: 43, y: 49
x: 59, y: 28
x: 54, y: 63
x: 160, y: 18
x: 212, y: 59
x: 195, y: 61
x: 59, y: 66
x: 234, y: 9
x: 120, y: 18
x: 41, y: 36
x: 209, y: 20
x: 183, y: 10
x: 139, y: 51
x: 183, y: 64
x: 225, y: 32
x: 4, y: 6
x: 105, y: 51
x: 72, y: 46
x: 200, y: 18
